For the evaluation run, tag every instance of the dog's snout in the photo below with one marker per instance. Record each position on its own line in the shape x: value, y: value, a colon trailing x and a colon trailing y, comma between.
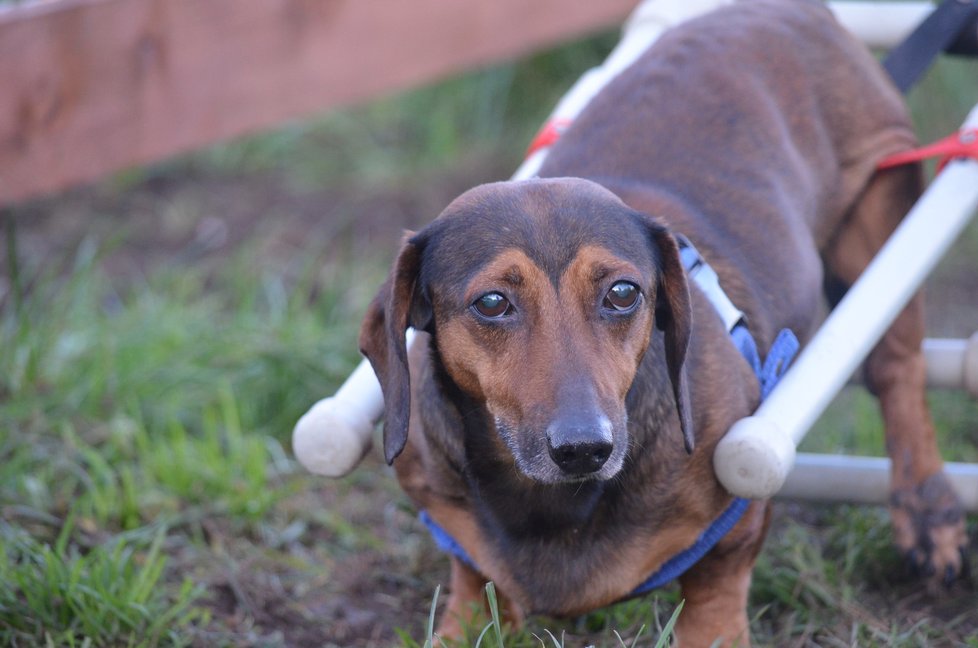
x: 580, y: 447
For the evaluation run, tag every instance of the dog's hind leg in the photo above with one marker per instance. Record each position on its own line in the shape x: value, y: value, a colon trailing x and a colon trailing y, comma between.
x: 715, y: 588
x: 927, y: 518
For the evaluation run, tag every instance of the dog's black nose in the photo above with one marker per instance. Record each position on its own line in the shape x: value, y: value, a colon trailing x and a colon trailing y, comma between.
x: 580, y: 447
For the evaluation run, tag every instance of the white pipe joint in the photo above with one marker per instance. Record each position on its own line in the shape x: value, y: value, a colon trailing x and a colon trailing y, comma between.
x: 335, y: 434
x: 755, y: 456
x: 953, y: 364
x: 332, y: 437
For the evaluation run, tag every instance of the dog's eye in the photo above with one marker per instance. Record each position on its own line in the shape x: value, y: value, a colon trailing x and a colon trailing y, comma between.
x: 622, y: 297
x: 491, y: 305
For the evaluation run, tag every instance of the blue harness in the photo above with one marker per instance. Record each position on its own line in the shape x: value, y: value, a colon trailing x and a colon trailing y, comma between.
x: 768, y: 373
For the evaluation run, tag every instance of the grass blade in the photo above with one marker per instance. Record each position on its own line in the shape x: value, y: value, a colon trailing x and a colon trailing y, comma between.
x: 429, y: 637
x: 494, y: 612
x: 666, y: 635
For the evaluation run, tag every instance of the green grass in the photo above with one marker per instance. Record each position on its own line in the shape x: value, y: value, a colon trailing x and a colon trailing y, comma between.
x: 147, y: 491
x: 132, y: 397
x: 636, y: 616
x: 129, y: 406
x: 107, y: 595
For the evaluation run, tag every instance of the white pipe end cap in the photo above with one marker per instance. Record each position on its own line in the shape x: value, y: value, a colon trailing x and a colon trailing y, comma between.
x: 754, y: 458
x: 332, y: 437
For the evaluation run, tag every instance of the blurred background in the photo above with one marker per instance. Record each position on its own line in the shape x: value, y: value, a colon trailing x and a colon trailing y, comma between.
x: 162, y: 329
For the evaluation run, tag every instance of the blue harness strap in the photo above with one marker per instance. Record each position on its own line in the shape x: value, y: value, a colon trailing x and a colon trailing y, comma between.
x: 779, y: 356
x: 445, y: 542
x: 768, y: 373
x: 678, y: 564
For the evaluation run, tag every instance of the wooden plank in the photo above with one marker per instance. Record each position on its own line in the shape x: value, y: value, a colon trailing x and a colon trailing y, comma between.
x: 93, y: 86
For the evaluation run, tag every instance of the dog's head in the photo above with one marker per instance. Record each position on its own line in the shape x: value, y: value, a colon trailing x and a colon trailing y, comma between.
x: 542, y: 297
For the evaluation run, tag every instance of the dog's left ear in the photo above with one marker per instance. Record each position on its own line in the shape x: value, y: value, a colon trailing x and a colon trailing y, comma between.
x: 396, y: 307
x: 674, y: 317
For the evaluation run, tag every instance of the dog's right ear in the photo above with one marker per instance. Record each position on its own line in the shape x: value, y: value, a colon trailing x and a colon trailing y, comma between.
x: 398, y: 305
x: 673, y: 315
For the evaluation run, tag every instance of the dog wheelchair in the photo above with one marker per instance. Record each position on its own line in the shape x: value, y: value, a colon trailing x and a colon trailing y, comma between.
x: 757, y: 458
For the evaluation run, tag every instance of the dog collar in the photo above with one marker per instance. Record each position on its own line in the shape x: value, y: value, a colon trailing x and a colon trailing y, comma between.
x: 768, y: 373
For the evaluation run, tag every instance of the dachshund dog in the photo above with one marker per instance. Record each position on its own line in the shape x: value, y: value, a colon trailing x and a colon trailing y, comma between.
x: 558, y: 415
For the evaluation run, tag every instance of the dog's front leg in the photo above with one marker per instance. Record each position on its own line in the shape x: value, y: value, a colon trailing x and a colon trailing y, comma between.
x: 468, y: 606
x: 715, y: 589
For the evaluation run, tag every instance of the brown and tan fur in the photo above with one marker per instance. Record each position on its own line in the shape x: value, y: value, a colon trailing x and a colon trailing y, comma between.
x: 567, y: 444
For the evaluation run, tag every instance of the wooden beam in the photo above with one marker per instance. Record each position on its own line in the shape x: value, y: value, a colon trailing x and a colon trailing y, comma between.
x: 94, y: 86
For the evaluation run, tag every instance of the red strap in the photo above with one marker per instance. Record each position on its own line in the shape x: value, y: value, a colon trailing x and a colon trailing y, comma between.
x: 548, y: 135
x: 964, y: 143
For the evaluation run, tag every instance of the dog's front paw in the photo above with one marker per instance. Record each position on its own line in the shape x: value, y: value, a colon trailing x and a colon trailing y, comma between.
x: 928, y: 527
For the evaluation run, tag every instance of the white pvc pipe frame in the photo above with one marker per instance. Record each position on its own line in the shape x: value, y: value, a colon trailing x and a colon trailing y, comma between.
x: 756, y: 456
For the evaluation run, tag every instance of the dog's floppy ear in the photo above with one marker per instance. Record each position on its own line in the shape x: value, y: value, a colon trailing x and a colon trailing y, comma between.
x: 673, y: 315
x: 397, y: 306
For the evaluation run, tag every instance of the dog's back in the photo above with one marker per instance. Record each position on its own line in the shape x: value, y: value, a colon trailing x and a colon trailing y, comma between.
x: 761, y: 121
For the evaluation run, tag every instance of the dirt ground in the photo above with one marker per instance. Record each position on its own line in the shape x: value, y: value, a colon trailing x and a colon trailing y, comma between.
x: 287, y: 591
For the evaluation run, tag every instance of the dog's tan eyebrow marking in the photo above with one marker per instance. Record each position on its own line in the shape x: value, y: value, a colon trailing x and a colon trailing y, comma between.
x: 513, y: 276
x: 595, y: 262
x: 511, y: 267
